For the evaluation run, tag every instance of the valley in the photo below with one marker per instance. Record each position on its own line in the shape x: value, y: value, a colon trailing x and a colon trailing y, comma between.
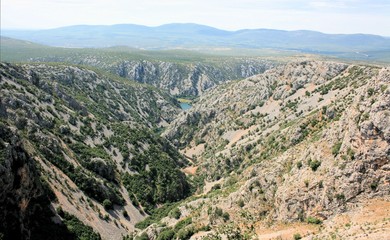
x: 119, y: 143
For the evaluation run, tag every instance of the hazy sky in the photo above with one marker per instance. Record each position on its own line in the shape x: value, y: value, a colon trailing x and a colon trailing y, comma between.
x: 330, y: 16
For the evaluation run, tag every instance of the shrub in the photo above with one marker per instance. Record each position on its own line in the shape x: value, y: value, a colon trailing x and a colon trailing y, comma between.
x: 182, y: 224
x: 218, y: 212
x: 184, y: 234
x: 175, y: 213
x: 225, y: 216
x: 314, y: 165
x: 336, y: 148
x: 216, y: 187
x: 306, y: 183
x: 144, y: 236
x: 374, y: 186
x: 107, y: 204
x: 299, y: 164
x: 77, y: 227
x: 370, y: 91
x: 166, y: 234
x: 313, y: 220
x: 241, y: 203
x: 297, y: 236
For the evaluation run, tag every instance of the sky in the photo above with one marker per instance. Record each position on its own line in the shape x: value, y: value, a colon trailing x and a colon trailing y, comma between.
x: 329, y: 16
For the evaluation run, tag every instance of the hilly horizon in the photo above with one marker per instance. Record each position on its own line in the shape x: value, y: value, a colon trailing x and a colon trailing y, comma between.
x: 193, y: 36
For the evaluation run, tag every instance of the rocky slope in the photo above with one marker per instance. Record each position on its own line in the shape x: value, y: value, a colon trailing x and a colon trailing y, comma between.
x: 178, y: 78
x: 92, y: 137
x: 299, y: 144
x: 299, y: 151
x: 179, y: 72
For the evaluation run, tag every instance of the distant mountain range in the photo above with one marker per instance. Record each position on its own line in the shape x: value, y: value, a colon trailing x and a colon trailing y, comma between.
x: 193, y: 36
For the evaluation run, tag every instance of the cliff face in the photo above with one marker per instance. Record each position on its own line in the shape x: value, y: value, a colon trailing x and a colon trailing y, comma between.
x: 188, y: 79
x: 24, y: 196
x: 179, y: 78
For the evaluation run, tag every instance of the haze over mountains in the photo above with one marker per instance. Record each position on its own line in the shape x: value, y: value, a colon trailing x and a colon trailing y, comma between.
x: 178, y: 35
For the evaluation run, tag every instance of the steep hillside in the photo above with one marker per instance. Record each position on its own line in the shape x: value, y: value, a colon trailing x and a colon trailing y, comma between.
x: 286, y: 153
x: 93, y: 139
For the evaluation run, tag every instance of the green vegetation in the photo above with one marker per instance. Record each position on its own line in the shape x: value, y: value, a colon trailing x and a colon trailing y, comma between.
x: 313, y: 220
x: 182, y: 224
x: 340, y: 196
x: 370, y: 91
x: 374, y: 185
x: 297, y: 236
x: 107, y: 204
x: 76, y: 227
x: 314, y: 164
x: 241, y: 203
x: 144, y: 236
x: 175, y: 213
x: 336, y: 148
x: 185, y: 233
x: 161, y: 182
x: 299, y: 164
x: 166, y: 234
x: 156, y: 215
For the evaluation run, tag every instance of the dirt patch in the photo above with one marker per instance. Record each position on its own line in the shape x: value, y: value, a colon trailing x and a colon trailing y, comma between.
x: 190, y: 170
x: 195, y: 151
x: 208, y: 185
x: 285, y: 231
x: 369, y: 221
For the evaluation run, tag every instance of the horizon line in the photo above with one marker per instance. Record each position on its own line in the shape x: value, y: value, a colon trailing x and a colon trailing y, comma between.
x: 185, y: 23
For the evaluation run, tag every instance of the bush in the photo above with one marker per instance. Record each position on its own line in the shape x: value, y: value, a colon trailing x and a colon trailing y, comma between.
x: 370, y: 91
x: 144, y: 236
x: 77, y: 227
x: 241, y: 203
x: 175, y: 213
x: 336, y: 148
x: 374, y: 186
x: 216, y: 187
x: 125, y: 214
x: 184, y: 234
x: 225, y: 216
x: 299, y: 164
x: 182, y: 224
x: 314, y: 165
x: 166, y: 234
x: 156, y: 216
x: 218, y: 212
x: 313, y: 220
x: 107, y: 204
x: 297, y: 236
x: 340, y: 196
